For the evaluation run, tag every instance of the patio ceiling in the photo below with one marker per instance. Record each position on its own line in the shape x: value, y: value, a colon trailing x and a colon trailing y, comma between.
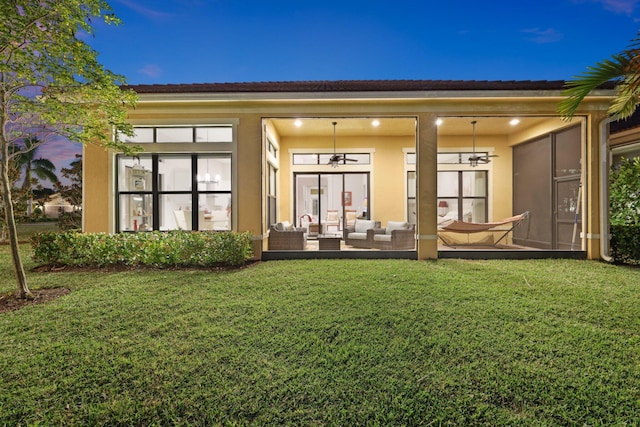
x: 400, y: 126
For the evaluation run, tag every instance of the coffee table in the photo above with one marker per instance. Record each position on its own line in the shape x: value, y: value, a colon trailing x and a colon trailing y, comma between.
x: 329, y: 243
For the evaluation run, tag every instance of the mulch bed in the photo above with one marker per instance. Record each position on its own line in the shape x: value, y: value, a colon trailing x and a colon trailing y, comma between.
x: 9, y: 302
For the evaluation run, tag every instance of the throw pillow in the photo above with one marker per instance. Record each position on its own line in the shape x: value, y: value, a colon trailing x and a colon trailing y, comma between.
x: 396, y: 225
x: 362, y: 225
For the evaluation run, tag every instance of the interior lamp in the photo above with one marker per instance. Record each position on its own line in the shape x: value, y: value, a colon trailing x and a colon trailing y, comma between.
x: 443, y: 207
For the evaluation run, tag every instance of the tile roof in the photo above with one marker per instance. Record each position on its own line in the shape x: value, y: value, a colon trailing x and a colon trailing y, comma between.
x: 628, y: 123
x: 354, y: 86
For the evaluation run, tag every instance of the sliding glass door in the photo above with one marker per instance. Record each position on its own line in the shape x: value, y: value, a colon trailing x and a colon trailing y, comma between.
x: 331, y: 199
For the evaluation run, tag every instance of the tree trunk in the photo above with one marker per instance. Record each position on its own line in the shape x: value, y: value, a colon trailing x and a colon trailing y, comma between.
x: 22, y: 290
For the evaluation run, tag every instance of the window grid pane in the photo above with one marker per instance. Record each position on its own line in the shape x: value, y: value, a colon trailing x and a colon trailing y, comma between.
x: 305, y: 159
x: 134, y: 174
x: 174, y: 173
x: 214, y: 134
x: 136, y: 212
x: 181, y: 134
x: 141, y: 135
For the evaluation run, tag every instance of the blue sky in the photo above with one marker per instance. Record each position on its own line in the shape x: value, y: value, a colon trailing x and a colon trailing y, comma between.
x: 191, y: 41
x: 203, y: 41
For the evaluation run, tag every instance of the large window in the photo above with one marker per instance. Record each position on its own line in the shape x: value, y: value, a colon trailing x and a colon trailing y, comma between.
x: 174, y: 191
x: 462, y: 195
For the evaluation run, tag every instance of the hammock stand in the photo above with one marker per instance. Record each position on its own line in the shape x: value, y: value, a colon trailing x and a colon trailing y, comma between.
x: 468, y: 228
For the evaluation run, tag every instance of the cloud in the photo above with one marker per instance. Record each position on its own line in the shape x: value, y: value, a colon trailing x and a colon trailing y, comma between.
x: 59, y: 150
x: 540, y: 36
x: 616, y: 6
x: 619, y: 6
x: 150, y: 14
x: 151, y: 70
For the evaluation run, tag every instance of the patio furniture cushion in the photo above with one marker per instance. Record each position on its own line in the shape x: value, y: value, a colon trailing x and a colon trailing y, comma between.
x: 396, y: 225
x: 284, y: 226
x: 357, y: 236
x: 382, y: 237
x: 362, y: 225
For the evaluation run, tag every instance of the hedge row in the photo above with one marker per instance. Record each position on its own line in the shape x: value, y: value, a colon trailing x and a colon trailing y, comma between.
x: 152, y: 249
x: 625, y: 244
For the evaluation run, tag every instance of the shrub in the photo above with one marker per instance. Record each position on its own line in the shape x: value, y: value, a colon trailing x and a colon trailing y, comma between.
x: 624, y: 193
x: 70, y: 220
x: 625, y: 244
x: 153, y: 249
x: 624, y: 196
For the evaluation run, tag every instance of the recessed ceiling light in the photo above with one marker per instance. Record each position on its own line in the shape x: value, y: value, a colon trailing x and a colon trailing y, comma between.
x: 514, y: 122
x: 298, y: 123
x: 375, y: 123
x: 438, y: 122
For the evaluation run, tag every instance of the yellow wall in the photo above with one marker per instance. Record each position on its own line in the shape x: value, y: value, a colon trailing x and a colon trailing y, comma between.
x: 247, y: 168
x: 427, y: 190
x: 96, y: 187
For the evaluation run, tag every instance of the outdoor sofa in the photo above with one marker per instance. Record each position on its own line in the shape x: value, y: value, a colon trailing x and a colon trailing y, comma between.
x: 360, y: 234
x: 285, y: 237
x: 396, y: 235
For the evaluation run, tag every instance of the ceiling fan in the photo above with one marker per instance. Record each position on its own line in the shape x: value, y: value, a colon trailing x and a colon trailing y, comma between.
x: 336, y: 159
x: 477, y: 158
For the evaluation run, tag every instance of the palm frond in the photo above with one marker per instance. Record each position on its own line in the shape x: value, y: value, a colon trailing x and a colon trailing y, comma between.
x: 627, y: 99
x: 43, y: 164
x: 46, y: 174
x: 576, y: 90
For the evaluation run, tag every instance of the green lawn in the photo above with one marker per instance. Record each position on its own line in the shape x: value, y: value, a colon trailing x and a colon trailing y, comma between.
x: 328, y: 342
x: 28, y: 229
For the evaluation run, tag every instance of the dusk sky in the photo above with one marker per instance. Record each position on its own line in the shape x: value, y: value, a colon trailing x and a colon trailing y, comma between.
x: 202, y: 41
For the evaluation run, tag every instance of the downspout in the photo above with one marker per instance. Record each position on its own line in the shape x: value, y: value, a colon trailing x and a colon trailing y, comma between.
x: 604, y: 190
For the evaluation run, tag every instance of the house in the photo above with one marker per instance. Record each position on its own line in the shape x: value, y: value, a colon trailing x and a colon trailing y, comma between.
x: 57, y: 204
x: 324, y: 154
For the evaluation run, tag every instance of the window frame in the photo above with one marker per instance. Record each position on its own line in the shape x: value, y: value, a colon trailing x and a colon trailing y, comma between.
x: 156, y: 193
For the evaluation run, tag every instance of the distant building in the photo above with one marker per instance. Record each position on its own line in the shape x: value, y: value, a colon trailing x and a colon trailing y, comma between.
x: 57, y: 204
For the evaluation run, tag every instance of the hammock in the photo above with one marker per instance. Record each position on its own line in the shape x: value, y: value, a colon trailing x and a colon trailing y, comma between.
x: 474, y: 227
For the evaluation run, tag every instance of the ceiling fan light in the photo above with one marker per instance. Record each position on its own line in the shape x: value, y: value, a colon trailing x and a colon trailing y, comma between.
x: 473, y: 162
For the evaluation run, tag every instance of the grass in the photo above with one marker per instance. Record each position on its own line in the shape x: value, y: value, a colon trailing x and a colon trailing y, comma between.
x: 328, y: 342
x: 28, y: 229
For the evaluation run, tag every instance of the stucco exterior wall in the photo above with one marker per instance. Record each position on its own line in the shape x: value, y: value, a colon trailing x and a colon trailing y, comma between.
x: 97, y: 190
